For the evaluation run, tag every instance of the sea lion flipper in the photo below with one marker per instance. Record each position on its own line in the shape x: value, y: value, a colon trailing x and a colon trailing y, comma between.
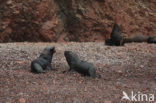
x: 92, y: 72
x: 49, y: 67
x: 38, y: 68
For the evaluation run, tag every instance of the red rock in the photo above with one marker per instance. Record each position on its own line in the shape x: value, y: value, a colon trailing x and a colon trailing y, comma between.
x: 73, y: 20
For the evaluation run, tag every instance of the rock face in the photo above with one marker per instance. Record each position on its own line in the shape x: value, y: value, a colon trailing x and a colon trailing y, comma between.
x: 74, y: 20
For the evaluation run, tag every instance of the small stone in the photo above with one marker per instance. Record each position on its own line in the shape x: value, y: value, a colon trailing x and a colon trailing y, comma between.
x: 107, y: 101
x: 20, y: 61
x: 76, y: 101
x: 119, y: 72
x: 22, y: 100
x: 58, y: 102
x: 141, y: 66
x: 9, y: 2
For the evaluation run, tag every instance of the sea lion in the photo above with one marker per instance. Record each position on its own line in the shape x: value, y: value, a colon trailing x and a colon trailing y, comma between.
x: 116, y: 37
x: 140, y: 38
x: 43, y: 62
x: 151, y: 40
x: 136, y: 38
x: 80, y: 66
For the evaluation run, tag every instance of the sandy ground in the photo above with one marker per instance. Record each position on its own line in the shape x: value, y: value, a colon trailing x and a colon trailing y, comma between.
x: 128, y: 68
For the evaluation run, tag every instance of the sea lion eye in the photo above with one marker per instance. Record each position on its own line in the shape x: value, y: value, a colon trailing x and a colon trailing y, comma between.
x: 52, y: 49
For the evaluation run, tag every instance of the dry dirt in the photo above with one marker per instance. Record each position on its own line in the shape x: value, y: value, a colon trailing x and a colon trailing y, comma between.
x: 128, y: 68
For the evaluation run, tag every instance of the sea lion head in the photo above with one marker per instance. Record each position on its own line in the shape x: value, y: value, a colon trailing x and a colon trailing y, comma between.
x: 52, y: 49
x: 48, y: 52
x: 116, y: 28
x: 67, y: 53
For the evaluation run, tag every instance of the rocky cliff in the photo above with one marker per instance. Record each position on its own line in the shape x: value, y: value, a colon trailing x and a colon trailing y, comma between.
x: 74, y: 20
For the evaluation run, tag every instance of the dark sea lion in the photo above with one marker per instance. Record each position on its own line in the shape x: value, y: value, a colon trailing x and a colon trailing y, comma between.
x: 80, y: 66
x: 136, y: 38
x: 116, y: 37
x: 43, y: 62
x: 151, y: 40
